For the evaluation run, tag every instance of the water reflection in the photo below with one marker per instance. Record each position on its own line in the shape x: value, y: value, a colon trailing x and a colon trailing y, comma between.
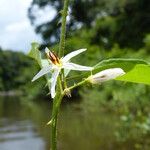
x: 17, y: 128
x: 19, y: 135
x: 23, y: 127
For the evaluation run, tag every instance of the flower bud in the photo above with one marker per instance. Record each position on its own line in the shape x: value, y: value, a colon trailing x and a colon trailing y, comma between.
x: 105, y: 75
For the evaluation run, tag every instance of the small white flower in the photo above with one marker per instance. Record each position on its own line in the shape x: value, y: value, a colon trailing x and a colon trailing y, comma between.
x: 105, y: 75
x: 56, y: 64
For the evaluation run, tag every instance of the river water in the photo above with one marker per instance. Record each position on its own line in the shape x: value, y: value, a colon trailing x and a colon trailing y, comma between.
x: 23, y: 127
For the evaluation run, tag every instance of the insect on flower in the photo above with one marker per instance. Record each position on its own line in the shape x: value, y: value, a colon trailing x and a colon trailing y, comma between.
x: 56, y: 64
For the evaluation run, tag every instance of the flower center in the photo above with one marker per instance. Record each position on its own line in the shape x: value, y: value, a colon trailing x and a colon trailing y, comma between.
x: 54, y: 59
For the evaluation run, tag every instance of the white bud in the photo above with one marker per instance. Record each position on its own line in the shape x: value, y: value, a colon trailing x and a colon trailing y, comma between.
x: 105, y: 75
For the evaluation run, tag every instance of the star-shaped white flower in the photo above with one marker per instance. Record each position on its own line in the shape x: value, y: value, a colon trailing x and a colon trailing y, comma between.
x: 55, y: 66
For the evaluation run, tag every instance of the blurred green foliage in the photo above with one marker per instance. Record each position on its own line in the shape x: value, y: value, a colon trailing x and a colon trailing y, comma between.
x: 16, y: 72
x: 119, y: 21
x: 13, y: 70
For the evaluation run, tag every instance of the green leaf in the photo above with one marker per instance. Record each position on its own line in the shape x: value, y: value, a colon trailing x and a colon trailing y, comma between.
x: 125, y: 64
x: 35, y: 53
x: 139, y: 74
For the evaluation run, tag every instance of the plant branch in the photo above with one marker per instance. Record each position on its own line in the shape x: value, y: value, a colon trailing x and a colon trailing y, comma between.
x: 76, y: 85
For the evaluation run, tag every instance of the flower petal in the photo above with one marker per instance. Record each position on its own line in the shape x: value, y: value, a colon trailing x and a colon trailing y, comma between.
x: 72, y: 54
x: 54, y: 81
x: 45, y: 63
x: 42, y: 72
x: 73, y: 66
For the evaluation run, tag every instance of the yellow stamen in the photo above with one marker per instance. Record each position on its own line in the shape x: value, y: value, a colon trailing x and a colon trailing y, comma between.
x: 54, y: 58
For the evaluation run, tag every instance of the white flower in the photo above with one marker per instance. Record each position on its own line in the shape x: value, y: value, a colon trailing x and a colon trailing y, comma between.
x: 105, y: 75
x: 56, y: 64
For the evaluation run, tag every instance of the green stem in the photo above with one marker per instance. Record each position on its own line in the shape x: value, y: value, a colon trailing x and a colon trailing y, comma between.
x: 59, y: 94
x: 62, y: 36
x: 55, y: 111
x: 76, y: 85
x: 56, y: 105
x: 63, y: 28
x: 54, y: 134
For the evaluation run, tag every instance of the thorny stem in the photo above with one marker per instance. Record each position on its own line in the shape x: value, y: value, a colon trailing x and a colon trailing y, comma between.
x: 63, y: 28
x: 60, y: 84
x: 55, y: 111
x: 57, y: 102
x: 54, y: 134
x: 56, y: 105
x: 64, y: 13
x: 59, y: 95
